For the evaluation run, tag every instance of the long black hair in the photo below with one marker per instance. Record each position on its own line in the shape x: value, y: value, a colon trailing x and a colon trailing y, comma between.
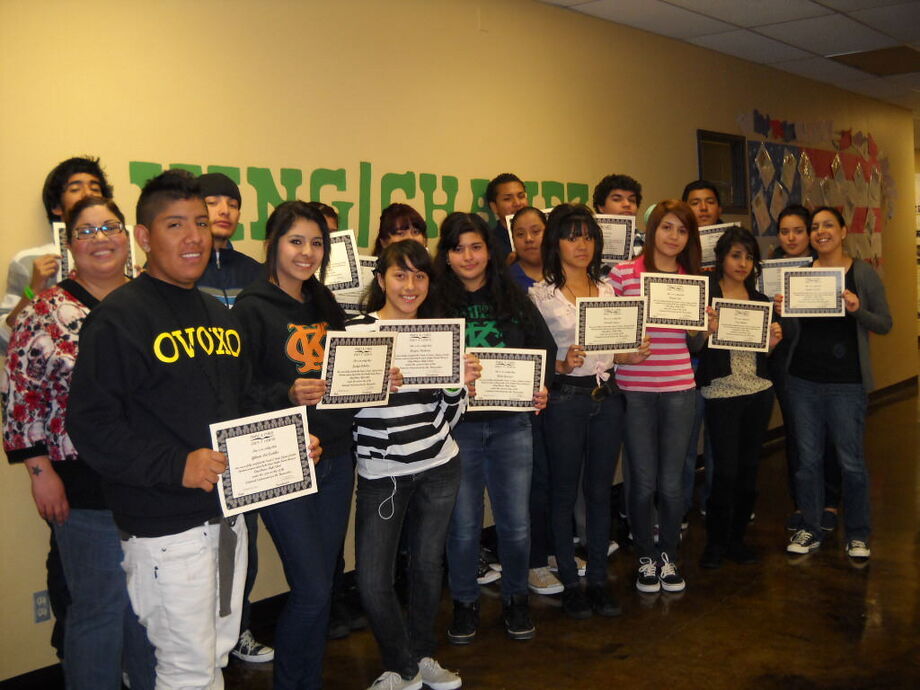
x: 732, y: 236
x: 566, y: 222
x: 508, y: 301
x: 410, y: 256
x: 279, y: 222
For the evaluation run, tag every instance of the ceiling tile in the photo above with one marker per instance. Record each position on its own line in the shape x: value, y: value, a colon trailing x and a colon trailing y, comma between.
x: 911, y: 80
x: 755, y: 12
x: 750, y: 46
x: 900, y: 21
x: 655, y: 16
x: 878, y: 88
x: 564, y: 3
x: 828, y: 35
x: 852, y: 5
x: 822, y: 69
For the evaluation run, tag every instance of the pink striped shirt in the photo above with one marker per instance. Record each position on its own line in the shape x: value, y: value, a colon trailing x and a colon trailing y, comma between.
x: 668, y: 367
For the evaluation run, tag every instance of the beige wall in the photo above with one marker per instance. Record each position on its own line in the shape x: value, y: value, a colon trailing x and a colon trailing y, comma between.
x: 451, y: 88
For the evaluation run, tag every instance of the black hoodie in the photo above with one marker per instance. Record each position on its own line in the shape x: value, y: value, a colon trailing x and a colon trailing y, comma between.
x: 286, y: 341
x: 157, y: 365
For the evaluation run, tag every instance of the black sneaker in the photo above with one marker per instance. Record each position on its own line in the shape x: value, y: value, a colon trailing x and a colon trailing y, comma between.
x: 339, y: 623
x: 711, y: 558
x: 575, y: 604
x: 803, y: 541
x: 516, y: 617
x: 485, y: 574
x: 647, y: 580
x: 602, y: 601
x: 463, y: 627
x: 670, y: 578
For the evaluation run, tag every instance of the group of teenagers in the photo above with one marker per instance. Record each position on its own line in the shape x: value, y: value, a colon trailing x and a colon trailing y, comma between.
x: 111, y: 384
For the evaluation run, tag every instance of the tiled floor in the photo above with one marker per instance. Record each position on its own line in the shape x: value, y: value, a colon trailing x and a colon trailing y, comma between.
x: 813, y: 622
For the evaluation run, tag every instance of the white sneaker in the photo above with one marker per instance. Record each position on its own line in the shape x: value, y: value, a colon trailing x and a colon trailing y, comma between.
x: 803, y: 541
x: 579, y: 563
x: 856, y: 548
x: 542, y: 581
x: 612, y: 548
x: 390, y: 680
x: 436, y: 677
x: 247, y: 649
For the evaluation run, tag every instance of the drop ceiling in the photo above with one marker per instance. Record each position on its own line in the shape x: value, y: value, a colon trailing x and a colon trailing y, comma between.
x: 823, y: 40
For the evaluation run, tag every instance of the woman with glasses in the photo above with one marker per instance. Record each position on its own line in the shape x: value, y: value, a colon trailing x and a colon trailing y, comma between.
x: 400, y: 222
x: 101, y: 628
x: 584, y: 419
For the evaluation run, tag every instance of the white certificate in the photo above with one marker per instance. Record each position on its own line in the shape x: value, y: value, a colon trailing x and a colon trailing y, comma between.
x: 618, y: 233
x: 343, y: 272
x: 813, y: 291
x: 675, y: 301
x: 66, y: 265
x: 429, y: 352
x: 743, y: 325
x: 770, y: 281
x: 510, y: 377
x: 356, y: 369
x: 268, y: 460
x: 610, y: 324
x: 709, y: 235
x: 350, y: 298
x: 546, y: 212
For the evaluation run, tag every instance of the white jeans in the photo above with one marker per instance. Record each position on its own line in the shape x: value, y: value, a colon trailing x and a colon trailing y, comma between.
x: 173, y: 587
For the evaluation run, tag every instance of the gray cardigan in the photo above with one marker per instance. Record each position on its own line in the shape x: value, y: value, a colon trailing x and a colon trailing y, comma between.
x: 872, y: 315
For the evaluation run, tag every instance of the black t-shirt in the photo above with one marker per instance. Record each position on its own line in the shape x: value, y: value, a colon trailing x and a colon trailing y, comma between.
x: 828, y: 350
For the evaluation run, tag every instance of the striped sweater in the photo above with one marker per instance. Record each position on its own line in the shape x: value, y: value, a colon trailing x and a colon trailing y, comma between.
x: 668, y: 368
x: 409, y: 435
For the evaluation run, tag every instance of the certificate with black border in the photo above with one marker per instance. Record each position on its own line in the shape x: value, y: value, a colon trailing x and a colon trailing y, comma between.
x: 510, y: 377
x: 813, y: 291
x: 350, y: 298
x: 743, y: 325
x: 343, y: 271
x: 618, y: 233
x: 267, y: 460
x: 770, y: 281
x: 709, y: 235
x: 356, y: 369
x: 610, y: 324
x: 429, y: 352
x: 675, y: 301
x: 66, y: 265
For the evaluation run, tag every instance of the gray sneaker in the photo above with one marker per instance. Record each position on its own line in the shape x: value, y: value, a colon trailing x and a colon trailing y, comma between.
x: 436, y: 677
x: 390, y: 680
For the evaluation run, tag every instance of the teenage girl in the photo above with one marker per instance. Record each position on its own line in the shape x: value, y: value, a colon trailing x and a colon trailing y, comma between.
x: 739, y: 400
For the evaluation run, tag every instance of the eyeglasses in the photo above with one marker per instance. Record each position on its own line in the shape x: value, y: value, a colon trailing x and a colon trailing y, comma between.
x: 87, y: 232
x: 406, y: 231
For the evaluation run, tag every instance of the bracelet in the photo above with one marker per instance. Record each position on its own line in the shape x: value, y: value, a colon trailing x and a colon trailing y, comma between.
x: 29, y: 293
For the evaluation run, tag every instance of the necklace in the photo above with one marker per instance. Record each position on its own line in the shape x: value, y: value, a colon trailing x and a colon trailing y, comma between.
x: 591, y: 289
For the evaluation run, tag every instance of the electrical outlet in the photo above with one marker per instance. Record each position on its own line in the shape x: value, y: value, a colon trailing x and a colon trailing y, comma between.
x: 41, y: 606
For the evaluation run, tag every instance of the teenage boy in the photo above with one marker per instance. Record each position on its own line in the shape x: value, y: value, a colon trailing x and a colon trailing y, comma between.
x: 227, y: 273
x: 228, y: 270
x: 33, y: 270
x: 158, y: 363
x: 703, y: 199
x: 506, y: 195
x: 620, y: 195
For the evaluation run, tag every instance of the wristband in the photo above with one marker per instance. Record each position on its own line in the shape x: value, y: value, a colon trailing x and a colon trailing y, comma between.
x: 29, y: 293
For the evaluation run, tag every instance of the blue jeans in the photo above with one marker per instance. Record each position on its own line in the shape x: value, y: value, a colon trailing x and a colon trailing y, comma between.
x: 658, y: 427
x: 383, y: 506
x: 308, y: 533
x: 496, y: 453
x: 101, y: 627
x: 835, y: 413
x: 690, y: 462
x: 582, y: 433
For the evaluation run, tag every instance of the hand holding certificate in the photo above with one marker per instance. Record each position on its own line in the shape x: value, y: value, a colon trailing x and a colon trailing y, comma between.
x: 610, y: 324
x: 675, y: 301
x: 356, y: 368
x: 429, y: 352
x: 742, y: 325
x: 268, y: 460
x: 510, y: 379
x: 813, y: 291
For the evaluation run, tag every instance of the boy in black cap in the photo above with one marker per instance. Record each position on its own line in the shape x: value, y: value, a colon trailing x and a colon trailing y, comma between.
x: 228, y: 271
